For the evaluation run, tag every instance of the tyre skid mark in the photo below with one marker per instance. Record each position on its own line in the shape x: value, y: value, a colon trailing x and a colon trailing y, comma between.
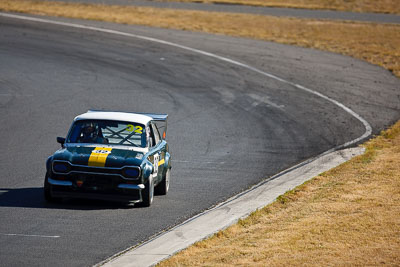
x: 366, y: 134
x: 368, y: 128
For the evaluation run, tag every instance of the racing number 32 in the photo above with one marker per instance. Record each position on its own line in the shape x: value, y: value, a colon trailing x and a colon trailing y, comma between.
x: 137, y: 129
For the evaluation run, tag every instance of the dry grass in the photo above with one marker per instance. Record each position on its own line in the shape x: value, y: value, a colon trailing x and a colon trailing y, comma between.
x: 347, y: 216
x: 376, y: 43
x: 377, y: 6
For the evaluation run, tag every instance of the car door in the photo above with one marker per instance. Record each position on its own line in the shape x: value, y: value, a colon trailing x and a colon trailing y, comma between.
x: 159, y: 151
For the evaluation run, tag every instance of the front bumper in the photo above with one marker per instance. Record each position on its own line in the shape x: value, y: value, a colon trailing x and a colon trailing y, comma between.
x: 110, y: 192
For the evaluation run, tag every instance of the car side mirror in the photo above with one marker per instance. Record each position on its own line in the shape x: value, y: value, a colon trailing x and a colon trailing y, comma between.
x: 61, y: 140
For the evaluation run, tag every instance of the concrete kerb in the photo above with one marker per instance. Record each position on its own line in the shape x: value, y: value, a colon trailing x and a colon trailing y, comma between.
x: 229, y: 212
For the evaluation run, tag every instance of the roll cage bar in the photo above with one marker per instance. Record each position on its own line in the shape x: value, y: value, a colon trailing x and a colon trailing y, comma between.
x: 160, y: 118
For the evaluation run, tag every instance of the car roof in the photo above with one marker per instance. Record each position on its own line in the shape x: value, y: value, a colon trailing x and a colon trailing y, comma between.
x: 114, y: 116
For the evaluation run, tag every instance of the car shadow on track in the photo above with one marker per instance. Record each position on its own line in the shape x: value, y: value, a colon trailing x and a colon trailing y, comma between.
x: 33, y: 198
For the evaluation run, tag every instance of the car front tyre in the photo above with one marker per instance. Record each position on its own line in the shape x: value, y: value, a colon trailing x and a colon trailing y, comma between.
x: 148, y: 193
x: 47, y: 191
x: 163, y: 187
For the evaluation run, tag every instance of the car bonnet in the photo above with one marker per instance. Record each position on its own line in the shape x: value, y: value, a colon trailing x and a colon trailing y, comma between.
x: 100, y: 156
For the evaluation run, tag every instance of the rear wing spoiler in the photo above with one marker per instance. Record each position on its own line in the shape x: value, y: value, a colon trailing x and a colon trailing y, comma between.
x: 160, y: 119
x: 154, y: 116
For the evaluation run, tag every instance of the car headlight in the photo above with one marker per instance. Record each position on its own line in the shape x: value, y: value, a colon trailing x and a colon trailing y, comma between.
x: 62, y: 167
x: 131, y: 172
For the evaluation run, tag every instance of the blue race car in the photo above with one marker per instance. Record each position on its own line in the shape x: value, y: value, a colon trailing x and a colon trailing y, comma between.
x: 112, y: 156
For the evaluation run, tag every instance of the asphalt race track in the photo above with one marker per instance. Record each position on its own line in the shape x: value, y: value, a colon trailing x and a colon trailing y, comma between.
x: 229, y: 127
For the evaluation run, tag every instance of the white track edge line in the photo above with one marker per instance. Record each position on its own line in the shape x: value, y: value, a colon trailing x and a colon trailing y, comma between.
x: 25, y: 235
x: 368, y: 128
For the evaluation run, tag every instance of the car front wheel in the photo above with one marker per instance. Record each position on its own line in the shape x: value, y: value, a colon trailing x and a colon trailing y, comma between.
x: 148, y: 193
x: 163, y: 187
x: 47, y: 191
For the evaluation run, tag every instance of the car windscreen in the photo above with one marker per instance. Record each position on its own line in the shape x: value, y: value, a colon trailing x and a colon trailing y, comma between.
x: 108, y: 132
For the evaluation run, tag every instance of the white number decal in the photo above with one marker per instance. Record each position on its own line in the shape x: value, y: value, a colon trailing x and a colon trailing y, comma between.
x: 156, y: 160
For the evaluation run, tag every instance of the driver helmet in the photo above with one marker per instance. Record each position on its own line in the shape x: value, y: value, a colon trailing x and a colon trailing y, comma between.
x: 88, y: 129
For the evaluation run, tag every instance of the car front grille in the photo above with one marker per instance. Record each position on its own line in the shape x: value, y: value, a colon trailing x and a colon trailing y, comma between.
x: 96, y: 170
x: 103, y: 171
